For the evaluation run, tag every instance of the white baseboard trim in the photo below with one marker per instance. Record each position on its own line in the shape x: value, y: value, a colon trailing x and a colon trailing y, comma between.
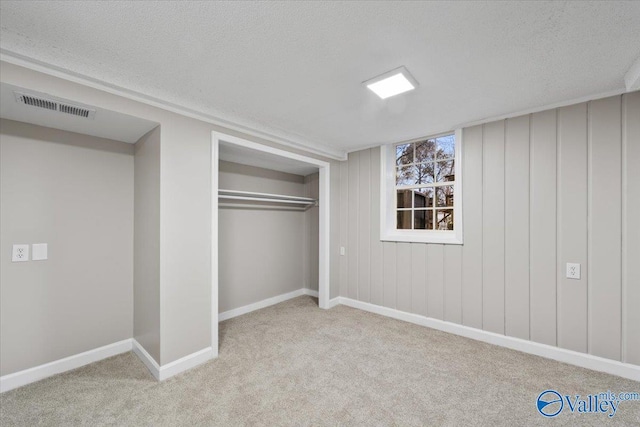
x: 265, y: 303
x: 37, y: 373
x: 185, y: 363
x: 333, y: 302
x: 582, y: 360
x: 310, y: 292
x: 146, y: 358
x: 176, y: 367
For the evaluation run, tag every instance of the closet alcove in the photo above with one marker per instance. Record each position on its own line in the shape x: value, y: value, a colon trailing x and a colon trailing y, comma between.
x: 269, y: 205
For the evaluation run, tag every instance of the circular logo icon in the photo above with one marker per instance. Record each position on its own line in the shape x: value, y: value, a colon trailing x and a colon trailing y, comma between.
x: 550, y: 403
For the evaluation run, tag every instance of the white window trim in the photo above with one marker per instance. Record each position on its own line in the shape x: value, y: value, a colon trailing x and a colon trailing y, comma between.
x: 388, y: 201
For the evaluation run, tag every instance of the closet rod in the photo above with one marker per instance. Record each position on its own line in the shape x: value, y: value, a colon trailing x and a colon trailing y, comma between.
x: 262, y: 207
x: 267, y: 197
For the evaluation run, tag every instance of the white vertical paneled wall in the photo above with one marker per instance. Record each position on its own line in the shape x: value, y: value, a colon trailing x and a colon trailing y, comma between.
x: 493, y: 227
x: 364, y: 226
x: 540, y: 190
x: 472, y: 217
x: 572, y: 226
x: 543, y: 227
x: 377, y: 279
x: 605, y: 228
x: 516, y: 228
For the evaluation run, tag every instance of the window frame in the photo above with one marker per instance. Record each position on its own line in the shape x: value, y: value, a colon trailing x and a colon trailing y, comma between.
x: 388, y: 198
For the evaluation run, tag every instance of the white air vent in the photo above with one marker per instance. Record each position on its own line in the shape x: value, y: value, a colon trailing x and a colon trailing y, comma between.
x: 37, y: 102
x: 76, y: 111
x: 54, y: 105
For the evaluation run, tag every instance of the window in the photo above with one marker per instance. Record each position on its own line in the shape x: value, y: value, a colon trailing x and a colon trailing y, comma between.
x: 421, y: 185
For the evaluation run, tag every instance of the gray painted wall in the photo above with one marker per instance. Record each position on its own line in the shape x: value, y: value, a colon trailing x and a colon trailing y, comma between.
x: 146, y: 248
x: 185, y: 236
x: 540, y: 190
x: 74, y: 192
x: 185, y: 207
x: 234, y: 176
x: 261, y: 251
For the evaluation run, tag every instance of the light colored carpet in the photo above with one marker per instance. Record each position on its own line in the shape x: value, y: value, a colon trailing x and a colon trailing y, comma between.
x: 294, y: 364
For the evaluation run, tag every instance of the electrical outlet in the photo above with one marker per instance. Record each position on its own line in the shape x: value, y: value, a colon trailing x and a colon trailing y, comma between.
x: 20, y: 253
x: 573, y: 271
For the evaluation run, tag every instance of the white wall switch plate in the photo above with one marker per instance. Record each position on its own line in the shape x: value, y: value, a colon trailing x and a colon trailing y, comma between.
x: 573, y: 271
x: 39, y: 252
x: 342, y: 250
x: 20, y: 253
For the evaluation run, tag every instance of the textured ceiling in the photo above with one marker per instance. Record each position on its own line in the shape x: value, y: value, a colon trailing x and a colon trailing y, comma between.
x: 294, y: 69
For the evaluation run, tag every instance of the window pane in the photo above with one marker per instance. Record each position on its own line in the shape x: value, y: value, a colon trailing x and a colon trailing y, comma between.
x: 404, y: 154
x: 415, y: 175
x: 423, y: 219
x: 423, y: 198
x: 404, y: 220
x: 425, y: 151
x: 444, y: 196
x: 444, y: 219
x: 446, y: 147
x: 404, y: 198
x: 424, y: 173
x: 406, y: 175
x: 445, y: 171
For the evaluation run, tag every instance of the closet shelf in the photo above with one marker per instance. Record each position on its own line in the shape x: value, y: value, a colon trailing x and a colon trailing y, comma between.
x: 306, y: 202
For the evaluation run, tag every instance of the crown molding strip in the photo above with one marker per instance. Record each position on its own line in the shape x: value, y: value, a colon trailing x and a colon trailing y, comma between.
x: 62, y: 73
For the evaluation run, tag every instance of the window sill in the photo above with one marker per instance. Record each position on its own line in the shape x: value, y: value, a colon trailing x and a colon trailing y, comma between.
x: 436, y: 237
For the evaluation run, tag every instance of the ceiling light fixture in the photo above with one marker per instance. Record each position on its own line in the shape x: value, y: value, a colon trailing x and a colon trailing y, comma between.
x: 392, y: 83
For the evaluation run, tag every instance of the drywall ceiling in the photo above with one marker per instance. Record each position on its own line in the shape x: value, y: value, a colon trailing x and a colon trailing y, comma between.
x: 246, y: 156
x: 294, y: 69
x: 105, y: 124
